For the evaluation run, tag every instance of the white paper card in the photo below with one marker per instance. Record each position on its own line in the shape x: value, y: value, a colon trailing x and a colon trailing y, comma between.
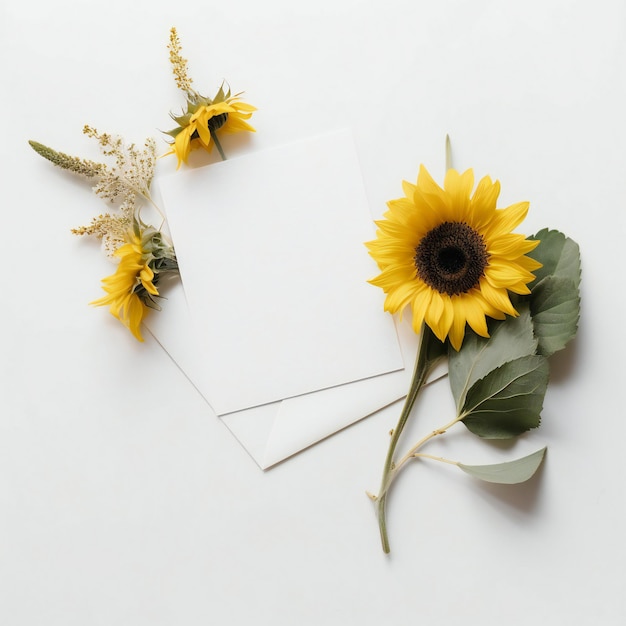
x: 270, y: 248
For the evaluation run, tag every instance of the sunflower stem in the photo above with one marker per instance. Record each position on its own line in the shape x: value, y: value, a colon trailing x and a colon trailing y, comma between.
x: 430, y: 352
x: 218, y: 145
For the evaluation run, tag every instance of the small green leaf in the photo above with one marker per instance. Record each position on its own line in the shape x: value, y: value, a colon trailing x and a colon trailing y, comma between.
x: 509, y: 473
x: 508, y: 400
x: 509, y: 340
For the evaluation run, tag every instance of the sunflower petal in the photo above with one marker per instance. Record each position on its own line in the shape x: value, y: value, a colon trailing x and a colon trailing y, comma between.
x: 244, y: 106
x: 458, y: 187
x: 426, y: 185
x: 457, y: 330
x: 475, y: 314
x: 182, y: 146
x: 408, y: 188
x: 434, y: 315
x: 134, y: 313
x: 510, y: 246
x: 498, y: 298
x: 505, y: 220
x: 235, y: 124
x: 419, y: 306
x: 484, y: 201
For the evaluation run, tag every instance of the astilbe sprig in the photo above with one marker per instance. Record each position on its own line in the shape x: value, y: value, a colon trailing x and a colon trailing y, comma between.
x: 144, y: 253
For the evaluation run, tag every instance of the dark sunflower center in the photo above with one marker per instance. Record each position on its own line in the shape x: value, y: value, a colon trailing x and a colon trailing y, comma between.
x: 451, y: 258
x: 214, y: 124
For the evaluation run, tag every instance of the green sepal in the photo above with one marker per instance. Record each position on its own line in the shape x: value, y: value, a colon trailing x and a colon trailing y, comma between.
x: 173, y: 132
x: 508, y: 400
x: 182, y: 120
x: 221, y: 95
x: 509, y: 473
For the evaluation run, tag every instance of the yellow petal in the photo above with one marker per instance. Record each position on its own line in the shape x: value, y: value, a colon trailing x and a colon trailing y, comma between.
x: 146, y: 275
x: 427, y: 183
x: 484, y: 202
x: 459, y: 187
x: 409, y: 189
x: 505, y: 220
x: 510, y: 246
x: 419, y: 306
x: 202, y: 126
x: 434, y: 315
x: 182, y: 146
x: 400, y: 296
x: 134, y: 313
x: 457, y: 330
x: 474, y: 314
x: 235, y: 124
x: 498, y: 298
x: 447, y: 316
x: 505, y: 273
x: 244, y: 106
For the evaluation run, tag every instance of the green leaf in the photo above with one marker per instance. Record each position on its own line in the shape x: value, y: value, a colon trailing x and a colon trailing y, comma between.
x: 555, y: 297
x: 509, y: 340
x: 559, y: 255
x: 510, y: 473
x: 555, y: 308
x: 508, y: 400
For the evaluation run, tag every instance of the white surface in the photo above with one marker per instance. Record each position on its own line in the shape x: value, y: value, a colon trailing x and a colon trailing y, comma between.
x: 125, y: 501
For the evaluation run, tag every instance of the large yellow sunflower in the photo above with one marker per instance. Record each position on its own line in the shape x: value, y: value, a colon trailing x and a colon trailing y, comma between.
x: 132, y: 275
x: 199, y: 126
x: 451, y: 255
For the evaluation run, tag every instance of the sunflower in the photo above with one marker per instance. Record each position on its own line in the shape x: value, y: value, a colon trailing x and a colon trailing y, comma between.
x: 132, y: 278
x: 451, y: 255
x: 198, y: 127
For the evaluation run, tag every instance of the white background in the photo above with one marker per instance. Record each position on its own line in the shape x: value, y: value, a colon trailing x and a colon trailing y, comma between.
x: 124, y: 501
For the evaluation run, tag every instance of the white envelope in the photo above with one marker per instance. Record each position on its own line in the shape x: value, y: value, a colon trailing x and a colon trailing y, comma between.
x: 274, y: 322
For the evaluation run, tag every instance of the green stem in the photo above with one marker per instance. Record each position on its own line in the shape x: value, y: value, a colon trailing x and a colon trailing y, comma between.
x: 430, y: 352
x: 218, y: 145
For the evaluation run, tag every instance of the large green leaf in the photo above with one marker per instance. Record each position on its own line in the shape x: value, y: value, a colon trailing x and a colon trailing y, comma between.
x: 555, y: 308
x: 555, y: 297
x: 508, y: 400
x: 559, y: 255
x: 509, y: 473
x: 509, y: 340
